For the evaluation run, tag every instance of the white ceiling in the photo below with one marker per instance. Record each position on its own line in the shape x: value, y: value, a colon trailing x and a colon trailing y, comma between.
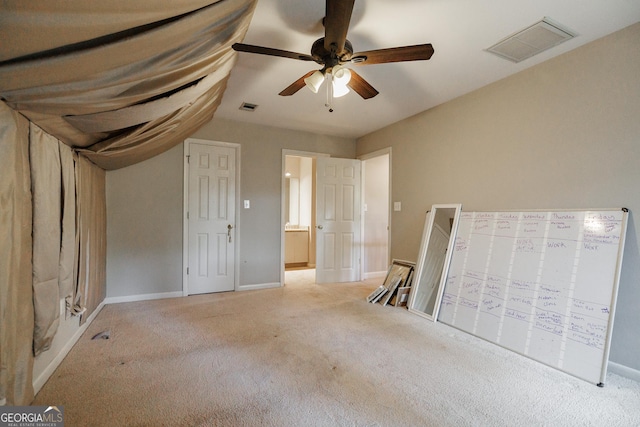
x: 460, y: 31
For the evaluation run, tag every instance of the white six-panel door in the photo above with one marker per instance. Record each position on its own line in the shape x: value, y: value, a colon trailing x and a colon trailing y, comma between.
x: 211, y: 218
x: 338, y: 218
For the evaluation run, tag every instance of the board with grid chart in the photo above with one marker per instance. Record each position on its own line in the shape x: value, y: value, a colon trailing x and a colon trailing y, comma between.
x: 542, y: 284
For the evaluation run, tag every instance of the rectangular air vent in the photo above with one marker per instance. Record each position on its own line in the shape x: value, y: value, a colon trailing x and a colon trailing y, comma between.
x: 248, y: 107
x: 539, y: 37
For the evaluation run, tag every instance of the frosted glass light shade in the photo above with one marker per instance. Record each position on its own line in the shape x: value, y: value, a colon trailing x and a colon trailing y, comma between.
x: 339, y: 90
x: 341, y: 75
x: 314, y: 81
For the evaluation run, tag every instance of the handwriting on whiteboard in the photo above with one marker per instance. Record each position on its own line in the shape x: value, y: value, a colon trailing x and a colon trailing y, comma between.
x: 536, y: 282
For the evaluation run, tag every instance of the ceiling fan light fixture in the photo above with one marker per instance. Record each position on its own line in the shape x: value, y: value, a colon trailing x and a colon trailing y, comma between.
x: 314, y: 81
x: 339, y: 90
x: 341, y: 75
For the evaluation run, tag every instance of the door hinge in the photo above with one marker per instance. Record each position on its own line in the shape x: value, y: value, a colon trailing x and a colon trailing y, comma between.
x: 187, y: 215
x: 188, y: 158
x: 187, y: 271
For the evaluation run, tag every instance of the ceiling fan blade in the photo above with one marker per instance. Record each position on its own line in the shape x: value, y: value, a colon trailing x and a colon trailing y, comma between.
x: 296, y: 86
x: 336, y: 23
x: 241, y: 47
x: 361, y: 86
x: 418, y: 52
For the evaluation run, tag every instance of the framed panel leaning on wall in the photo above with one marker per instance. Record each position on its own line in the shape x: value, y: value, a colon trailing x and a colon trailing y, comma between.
x: 434, y: 258
x: 540, y: 283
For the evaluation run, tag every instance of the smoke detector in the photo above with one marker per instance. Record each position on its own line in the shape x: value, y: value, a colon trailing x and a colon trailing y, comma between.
x: 532, y: 40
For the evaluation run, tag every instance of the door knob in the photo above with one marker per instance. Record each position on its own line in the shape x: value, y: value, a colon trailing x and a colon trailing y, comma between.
x: 319, y: 227
x: 229, y: 227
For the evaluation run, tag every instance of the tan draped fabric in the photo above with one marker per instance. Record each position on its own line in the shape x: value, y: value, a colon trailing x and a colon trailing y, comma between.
x: 40, y: 245
x: 155, y: 137
x: 68, y: 225
x: 92, y: 236
x: 116, y: 82
x: 54, y: 232
x: 123, y: 80
x: 46, y: 184
x: 16, y: 295
x: 82, y: 20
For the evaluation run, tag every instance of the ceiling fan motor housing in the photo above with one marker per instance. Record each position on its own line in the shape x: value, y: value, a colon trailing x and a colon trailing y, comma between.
x: 329, y: 58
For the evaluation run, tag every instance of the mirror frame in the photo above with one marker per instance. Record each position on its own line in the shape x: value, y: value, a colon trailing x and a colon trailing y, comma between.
x: 422, y: 256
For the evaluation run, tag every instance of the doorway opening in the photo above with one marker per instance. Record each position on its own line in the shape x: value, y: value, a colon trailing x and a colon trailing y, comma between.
x: 298, y: 212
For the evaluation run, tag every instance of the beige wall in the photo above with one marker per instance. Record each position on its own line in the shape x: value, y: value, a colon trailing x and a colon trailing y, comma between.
x: 144, y: 227
x: 563, y: 134
x: 144, y: 209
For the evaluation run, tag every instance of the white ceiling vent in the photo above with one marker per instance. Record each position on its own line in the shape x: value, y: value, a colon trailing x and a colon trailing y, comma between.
x: 532, y: 40
x: 246, y: 106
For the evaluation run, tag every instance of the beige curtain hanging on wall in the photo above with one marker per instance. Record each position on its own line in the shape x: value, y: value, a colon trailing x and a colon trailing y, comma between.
x: 46, y: 184
x: 118, y: 82
x: 67, y: 265
x: 54, y: 232
x: 92, y: 236
x: 42, y: 198
x: 16, y: 293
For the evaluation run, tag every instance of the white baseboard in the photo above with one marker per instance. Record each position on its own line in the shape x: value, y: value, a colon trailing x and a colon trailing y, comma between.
x: 374, y: 274
x: 53, y: 365
x: 259, y: 286
x: 624, y: 371
x: 142, y: 297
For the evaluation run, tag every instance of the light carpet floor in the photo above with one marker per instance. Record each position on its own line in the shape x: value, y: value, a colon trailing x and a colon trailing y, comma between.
x: 311, y: 355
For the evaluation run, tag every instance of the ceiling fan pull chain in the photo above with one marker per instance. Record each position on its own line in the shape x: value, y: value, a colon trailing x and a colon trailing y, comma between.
x: 329, y: 92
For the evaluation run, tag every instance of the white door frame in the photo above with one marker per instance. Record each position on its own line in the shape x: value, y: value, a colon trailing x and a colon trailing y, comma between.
x: 185, y: 208
x: 287, y: 152
x: 364, y: 157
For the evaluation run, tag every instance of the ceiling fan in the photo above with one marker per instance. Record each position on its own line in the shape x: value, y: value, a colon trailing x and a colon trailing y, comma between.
x: 333, y: 51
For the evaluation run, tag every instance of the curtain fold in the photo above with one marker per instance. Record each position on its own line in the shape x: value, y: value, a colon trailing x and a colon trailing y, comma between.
x: 92, y: 236
x: 157, y: 136
x: 16, y: 293
x: 46, y: 184
x: 111, y: 83
x: 68, y: 226
x: 76, y: 21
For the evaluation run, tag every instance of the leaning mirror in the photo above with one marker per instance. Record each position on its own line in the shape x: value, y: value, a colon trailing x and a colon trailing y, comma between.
x: 434, y: 258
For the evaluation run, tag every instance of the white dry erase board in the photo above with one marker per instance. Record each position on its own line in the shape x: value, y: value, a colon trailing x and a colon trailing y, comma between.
x: 543, y: 284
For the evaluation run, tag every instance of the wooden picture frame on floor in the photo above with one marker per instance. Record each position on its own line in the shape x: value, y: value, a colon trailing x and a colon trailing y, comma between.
x: 402, y: 296
x: 401, y: 269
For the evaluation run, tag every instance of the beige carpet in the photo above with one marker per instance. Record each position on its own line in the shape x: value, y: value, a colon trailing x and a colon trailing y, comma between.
x: 311, y: 355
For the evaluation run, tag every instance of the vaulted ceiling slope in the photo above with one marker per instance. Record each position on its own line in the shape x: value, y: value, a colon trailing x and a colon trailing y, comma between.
x: 120, y: 81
